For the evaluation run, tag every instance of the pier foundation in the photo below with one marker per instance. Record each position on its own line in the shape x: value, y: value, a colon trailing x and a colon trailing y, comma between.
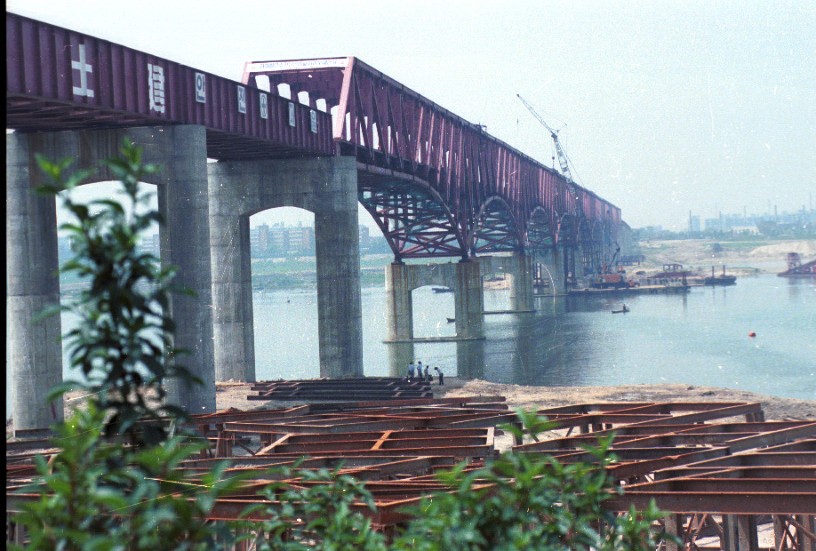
x: 35, y: 354
x: 328, y: 188
x: 463, y: 277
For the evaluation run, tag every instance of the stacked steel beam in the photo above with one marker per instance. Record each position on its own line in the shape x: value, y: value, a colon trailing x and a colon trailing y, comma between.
x: 720, y: 471
x: 368, y: 388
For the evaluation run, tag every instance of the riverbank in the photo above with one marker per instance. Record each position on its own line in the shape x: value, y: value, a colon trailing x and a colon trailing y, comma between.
x: 740, y: 258
x: 234, y: 395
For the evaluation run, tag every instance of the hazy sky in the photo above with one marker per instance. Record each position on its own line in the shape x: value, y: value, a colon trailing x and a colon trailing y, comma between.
x: 669, y: 106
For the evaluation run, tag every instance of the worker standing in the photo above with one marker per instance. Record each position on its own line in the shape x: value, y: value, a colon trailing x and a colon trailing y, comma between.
x: 441, y: 376
x: 410, y: 371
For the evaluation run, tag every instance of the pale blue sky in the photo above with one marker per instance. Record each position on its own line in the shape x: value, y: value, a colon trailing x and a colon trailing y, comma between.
x: 669, y: 106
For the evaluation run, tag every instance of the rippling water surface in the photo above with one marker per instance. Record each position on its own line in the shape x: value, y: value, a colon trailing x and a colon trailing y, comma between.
x: 698, y: 339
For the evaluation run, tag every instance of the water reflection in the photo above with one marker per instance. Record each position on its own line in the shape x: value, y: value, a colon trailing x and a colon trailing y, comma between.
x: 700, y: 338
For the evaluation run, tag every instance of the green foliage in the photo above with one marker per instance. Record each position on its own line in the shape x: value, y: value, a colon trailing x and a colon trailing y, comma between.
x: 528, y: 501
x: 100, y: 495
x: 116, y: 483
x: 323, y: 511
x: 124, y: 329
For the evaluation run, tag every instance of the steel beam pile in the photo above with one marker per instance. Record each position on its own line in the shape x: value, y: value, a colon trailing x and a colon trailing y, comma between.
x: 723, y: 484
x: 720, y: 471
x: 362, y: 388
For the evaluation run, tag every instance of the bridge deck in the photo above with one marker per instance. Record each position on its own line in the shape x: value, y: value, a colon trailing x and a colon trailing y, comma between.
x: 58, y: 79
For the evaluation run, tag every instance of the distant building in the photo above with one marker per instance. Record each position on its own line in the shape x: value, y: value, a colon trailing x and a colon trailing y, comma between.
x: 694, y: 223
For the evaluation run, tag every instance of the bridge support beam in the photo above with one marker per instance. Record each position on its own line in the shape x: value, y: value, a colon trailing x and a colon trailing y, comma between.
x: 550, y: 264
x: 519, y: 267
x: 35, y: 350
x: 328, y: 188
x: 463, y: 277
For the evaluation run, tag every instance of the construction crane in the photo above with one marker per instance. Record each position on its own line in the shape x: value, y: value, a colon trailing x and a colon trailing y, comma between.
x: 562, y: 157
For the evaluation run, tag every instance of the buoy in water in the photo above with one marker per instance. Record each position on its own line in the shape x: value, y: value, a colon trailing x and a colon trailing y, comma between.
x: 752, y: 334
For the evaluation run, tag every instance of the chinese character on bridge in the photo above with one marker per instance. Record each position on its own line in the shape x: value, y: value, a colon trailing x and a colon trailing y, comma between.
x: 155, y: 81
x: 84, y: 70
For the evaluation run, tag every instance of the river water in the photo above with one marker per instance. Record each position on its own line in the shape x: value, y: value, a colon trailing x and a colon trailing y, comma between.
x: 701, y: 338
x: 698, y: 339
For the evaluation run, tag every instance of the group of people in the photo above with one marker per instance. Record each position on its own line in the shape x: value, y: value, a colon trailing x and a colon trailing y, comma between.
x: 423, y: 373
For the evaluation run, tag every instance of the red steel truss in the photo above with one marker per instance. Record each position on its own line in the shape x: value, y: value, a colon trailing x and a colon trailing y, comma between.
x: 437, y: 185
x: 486, y: 191
x: 59, y: 79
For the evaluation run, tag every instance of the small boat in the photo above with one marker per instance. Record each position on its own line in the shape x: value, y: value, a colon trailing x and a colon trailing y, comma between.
x: 720, y: 279
x: 451, y: 320
x: 621, y: 311
x: 797, y: 269
x: 442, y: 289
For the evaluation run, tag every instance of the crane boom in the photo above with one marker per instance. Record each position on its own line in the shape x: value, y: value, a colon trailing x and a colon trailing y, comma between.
x: 562, y: 157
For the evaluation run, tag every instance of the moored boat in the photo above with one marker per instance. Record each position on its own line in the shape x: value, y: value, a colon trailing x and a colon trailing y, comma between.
x: 722, y: 279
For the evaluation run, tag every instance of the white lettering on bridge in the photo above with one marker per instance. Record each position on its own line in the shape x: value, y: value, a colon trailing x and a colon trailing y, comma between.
x: 84, y: 69
x: 155, y: 83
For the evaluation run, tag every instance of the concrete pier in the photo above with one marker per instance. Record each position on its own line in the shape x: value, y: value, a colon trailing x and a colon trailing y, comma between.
x: 550, y: 263
x: 519, y: 269
x: 328, y: 188
x: 32, y: 284
x: 463, y: 277
x: 35, y: 350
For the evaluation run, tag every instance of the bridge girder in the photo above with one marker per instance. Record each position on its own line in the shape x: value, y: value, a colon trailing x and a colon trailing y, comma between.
x: 495, y: 229
x: 389, y: 127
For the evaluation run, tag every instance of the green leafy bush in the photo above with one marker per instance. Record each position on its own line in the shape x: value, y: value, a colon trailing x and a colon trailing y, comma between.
x: 117, y: 483
x: 324, y: 510
x: 528, y: 501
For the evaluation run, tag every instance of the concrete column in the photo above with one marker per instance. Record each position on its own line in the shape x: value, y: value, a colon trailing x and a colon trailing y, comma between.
x: 552, y: 261
x: 559, y: 272
x: 233, y: 328
x: 570, y: 265
x: 399, y: 308
x: 470, y: 359
x: 400, y: 354
x: 328, y: 188
x: 339, y: 304
x: 32, y: 284
x: 469, y: 300
x: 521, y: 281
x: 181, y: 152
x: 248, y: 325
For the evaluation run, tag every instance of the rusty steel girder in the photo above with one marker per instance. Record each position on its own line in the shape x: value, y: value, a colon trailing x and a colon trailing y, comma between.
x: 719, y: 470
x: 399, y: 136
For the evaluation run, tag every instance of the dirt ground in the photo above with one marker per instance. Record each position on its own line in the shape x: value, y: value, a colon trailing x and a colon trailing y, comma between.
x: 699, y: 255
x: 234, y: 395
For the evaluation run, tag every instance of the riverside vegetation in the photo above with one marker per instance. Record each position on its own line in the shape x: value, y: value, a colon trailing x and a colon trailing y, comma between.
x: 118, y: 481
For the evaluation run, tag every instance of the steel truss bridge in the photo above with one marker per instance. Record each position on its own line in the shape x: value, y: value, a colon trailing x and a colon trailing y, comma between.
x: 436, y: 184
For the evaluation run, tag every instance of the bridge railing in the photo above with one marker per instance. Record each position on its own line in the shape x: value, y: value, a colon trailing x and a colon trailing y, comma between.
x: 59, y: 79
x: 386, y: 124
